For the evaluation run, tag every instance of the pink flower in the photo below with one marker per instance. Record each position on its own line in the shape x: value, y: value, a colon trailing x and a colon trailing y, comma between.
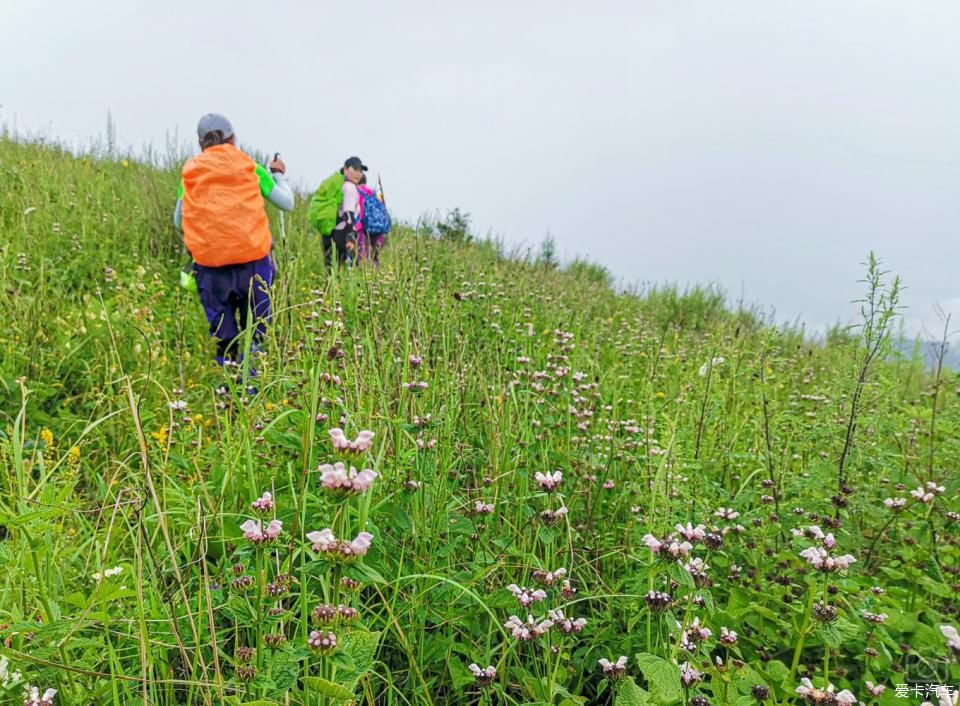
x: 264, y: 504
x: 255, y: 532
x: 726, y: 513
x: 415, y: 361
x: 548, y: 578
x: 273, y: 529
x: 34, y: 698
x: 728, y: 637
x: 689, y: 676
x: 529, y: 630
x: 895, y: 504
x: 525, y: 596
x: 361, y: 543
x: 653, y: 544
x: 323, y: 540
x: 322, y: 641
x: 482, y: 508
x: 339, y: 480
x: 953, y: 638
x: 343, y: 445
x: 608, y: 485
x: 613, y: 670
x: 549, y: 481
x: 822, y: 560
x: 875, y: 691
x: 845, y: 698
x: 565, y: 624
x: 691, y: 533
x: 679, y: 549
x: 484, y: 676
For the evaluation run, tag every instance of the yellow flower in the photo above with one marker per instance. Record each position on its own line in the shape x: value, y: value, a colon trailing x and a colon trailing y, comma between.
x: 269, y: 406
x: 73, y: 456
x: 71, y: 531
x: 47, y: 437
x: 660, y: 395
x: 161, y: 436
x: 125, y: 163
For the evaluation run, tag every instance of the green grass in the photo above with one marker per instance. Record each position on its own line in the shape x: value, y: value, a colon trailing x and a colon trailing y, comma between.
x: 528, y: 369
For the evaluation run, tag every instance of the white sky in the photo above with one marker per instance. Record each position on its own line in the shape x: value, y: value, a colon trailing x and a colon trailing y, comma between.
x: 764, y: 145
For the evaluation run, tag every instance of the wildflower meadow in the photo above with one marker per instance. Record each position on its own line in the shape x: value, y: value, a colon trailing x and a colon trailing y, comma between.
x: 467, y: 477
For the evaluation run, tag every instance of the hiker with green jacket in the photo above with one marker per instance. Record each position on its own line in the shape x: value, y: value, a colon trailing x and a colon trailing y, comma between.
x: 335, y: 210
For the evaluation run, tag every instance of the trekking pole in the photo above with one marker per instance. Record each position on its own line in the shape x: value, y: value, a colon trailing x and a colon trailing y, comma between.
x: 380, y: 187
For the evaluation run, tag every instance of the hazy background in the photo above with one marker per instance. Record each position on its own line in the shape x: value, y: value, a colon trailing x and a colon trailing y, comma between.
x: 764, y: 145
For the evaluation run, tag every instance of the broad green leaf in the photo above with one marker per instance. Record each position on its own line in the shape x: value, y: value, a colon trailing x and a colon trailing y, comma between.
x: 663, y: 678
x: 319, y: 685
x: 629, y: 694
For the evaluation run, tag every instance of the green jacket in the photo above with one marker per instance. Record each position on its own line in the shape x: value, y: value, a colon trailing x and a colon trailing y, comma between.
x: 325, y: 204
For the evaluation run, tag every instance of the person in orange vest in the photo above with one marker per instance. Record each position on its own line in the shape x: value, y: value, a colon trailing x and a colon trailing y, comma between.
x: 221, y: 212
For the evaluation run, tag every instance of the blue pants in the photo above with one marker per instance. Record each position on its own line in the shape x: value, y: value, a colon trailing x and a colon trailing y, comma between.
x: 229, y: 294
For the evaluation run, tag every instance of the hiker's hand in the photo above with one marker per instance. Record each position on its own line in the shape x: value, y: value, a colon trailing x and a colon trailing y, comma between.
x: 277, y: 165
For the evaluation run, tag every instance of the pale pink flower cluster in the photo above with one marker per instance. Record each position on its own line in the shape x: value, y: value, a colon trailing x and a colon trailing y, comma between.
x: 327, y: 543
x: 726, y: 513
x: 691, y: 533
x: 548, y: 578
x: 895, y: 504
x: 415, y: 386
x: 526, y: 596
x: 953, y: 638
x: 255, y: 532
x: 728, y: 637
x: 263, y: 504
x: 689, y: 676
x: 341, y: 444
x: 322, y: 641
x: 813, y: 695
x: 565, y: 624
x: 529, y: 630
x: 34, y: 698
x: 338, y: 479
x: 482, y: 508
x: 693, y: 635
x: 820, y: 557
x: 669, y: 546
x: 875, y: 690
x: 549, y: 481
x: 483, y: 676
x: 696, y: 567
x: 613, y: 670
x: 928, y: 493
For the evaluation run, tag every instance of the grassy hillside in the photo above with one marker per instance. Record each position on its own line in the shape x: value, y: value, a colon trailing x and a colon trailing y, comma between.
x: 707, y: 466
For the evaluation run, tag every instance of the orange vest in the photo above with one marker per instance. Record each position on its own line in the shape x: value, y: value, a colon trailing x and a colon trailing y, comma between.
x: 224, y: 221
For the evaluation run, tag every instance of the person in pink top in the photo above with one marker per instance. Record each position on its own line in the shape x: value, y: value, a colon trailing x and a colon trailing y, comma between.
x: 367, y: 244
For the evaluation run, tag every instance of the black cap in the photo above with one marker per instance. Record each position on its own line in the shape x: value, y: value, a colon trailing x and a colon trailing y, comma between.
x: 355, y: 163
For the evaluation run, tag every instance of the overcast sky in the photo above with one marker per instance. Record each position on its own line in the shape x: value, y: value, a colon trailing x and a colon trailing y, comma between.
x: 763, y: 145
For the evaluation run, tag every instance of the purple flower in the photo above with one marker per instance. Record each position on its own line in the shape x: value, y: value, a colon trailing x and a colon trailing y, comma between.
x: 895, y: 504
x: 565, y: 624
x: 525, y: 596
x: 485, y: 676
x: 691, y: 533
x: 323, y: 541
x: 728, y: 637
x: 342, y: 444
x: 255, y: 532
x: 549, y: 481
x: 529, y: 630
x: 339, y: 480
x: 613, y: 670
x: 322, y: 642
x: 263, y: 504
x: 34, y: 698
x: 726, y: 513
x: 689, y: 676
x: 953, y: 638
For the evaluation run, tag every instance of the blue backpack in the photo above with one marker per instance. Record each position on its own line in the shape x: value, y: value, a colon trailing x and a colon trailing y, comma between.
x: 376, y: 220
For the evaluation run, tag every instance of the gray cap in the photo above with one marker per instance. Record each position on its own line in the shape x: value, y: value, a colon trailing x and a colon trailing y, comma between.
x: 214, y: 121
